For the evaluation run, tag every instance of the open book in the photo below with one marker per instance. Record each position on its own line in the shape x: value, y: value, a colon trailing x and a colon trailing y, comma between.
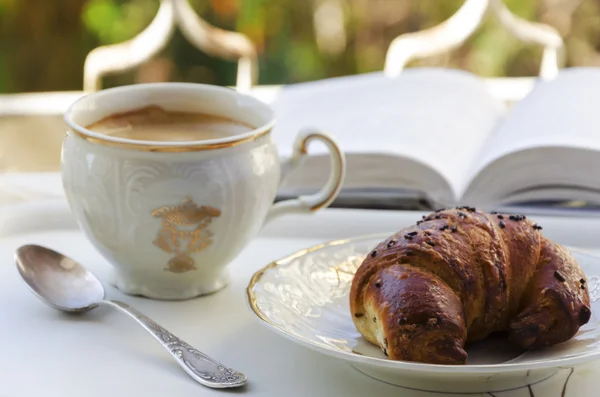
x: 438, y: 136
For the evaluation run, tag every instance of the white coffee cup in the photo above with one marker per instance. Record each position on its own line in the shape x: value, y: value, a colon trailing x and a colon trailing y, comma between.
x: 170, y: 216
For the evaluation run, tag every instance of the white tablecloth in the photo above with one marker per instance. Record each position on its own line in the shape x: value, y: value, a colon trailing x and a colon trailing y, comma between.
x: 103, y: 353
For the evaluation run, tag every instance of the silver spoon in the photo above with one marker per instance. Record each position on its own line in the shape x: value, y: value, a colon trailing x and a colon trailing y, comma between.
x: 66, y: 285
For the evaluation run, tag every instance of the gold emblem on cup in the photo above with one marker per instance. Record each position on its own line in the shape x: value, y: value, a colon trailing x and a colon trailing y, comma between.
x: 184, y: 230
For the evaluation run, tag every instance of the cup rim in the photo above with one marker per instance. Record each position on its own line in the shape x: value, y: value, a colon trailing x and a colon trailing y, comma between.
x: 168, y: 146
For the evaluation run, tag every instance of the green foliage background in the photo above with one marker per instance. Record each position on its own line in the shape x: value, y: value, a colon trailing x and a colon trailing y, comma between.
x: 43, y: 43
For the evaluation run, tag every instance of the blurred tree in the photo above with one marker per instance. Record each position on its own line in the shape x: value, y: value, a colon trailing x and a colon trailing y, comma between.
x: 43, y: 43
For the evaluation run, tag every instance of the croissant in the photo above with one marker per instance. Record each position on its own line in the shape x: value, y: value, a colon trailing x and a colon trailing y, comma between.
x: 460, y: 275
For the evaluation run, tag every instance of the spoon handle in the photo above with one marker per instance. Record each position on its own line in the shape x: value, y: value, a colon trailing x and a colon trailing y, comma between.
x: 198, y: 365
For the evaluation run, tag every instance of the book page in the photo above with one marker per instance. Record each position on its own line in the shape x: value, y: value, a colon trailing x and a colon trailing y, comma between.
x: 437, y: 117
x: 562, y: 113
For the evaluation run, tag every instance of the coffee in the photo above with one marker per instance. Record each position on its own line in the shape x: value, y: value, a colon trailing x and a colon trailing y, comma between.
x: 153, y: 123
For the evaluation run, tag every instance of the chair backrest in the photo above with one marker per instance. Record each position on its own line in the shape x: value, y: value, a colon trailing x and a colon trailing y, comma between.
x: 217, y: 42
x: 453, y: 32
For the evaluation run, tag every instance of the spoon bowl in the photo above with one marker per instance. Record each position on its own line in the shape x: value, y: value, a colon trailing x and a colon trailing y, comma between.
x: 64, y: 284
x: 58, y: 280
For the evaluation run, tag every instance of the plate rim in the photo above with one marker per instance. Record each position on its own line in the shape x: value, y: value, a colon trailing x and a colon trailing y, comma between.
x: 397, y: 364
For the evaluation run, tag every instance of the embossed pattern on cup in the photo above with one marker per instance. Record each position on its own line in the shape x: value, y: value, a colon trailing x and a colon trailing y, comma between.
x: 164, y: 216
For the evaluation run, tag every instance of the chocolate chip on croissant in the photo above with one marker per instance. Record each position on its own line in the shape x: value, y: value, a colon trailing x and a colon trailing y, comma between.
x: 460, y: 275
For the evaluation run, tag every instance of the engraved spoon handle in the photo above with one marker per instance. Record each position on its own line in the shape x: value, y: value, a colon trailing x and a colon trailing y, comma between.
x: 198, y: 365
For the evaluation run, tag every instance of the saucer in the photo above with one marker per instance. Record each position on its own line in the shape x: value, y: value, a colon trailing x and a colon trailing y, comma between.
x: 304, y: 297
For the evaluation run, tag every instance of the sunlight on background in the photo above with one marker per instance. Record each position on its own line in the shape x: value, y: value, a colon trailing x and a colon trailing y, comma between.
x: 330, y: 29
x: 111, y: 21
x: 44, y: 43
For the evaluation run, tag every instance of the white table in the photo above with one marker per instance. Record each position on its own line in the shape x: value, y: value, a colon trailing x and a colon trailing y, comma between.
x: 46, y: 353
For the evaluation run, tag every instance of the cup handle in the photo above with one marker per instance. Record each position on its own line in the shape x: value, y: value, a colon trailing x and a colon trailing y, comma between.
x: 325, y: 196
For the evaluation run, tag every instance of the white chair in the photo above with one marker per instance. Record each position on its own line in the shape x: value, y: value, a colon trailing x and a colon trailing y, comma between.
x: 121, y: 57
x: 453, y: 32
x: 171, y: 14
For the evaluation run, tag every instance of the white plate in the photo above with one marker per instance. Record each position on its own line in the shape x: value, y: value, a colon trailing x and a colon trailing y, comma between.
x: 305, y: 297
